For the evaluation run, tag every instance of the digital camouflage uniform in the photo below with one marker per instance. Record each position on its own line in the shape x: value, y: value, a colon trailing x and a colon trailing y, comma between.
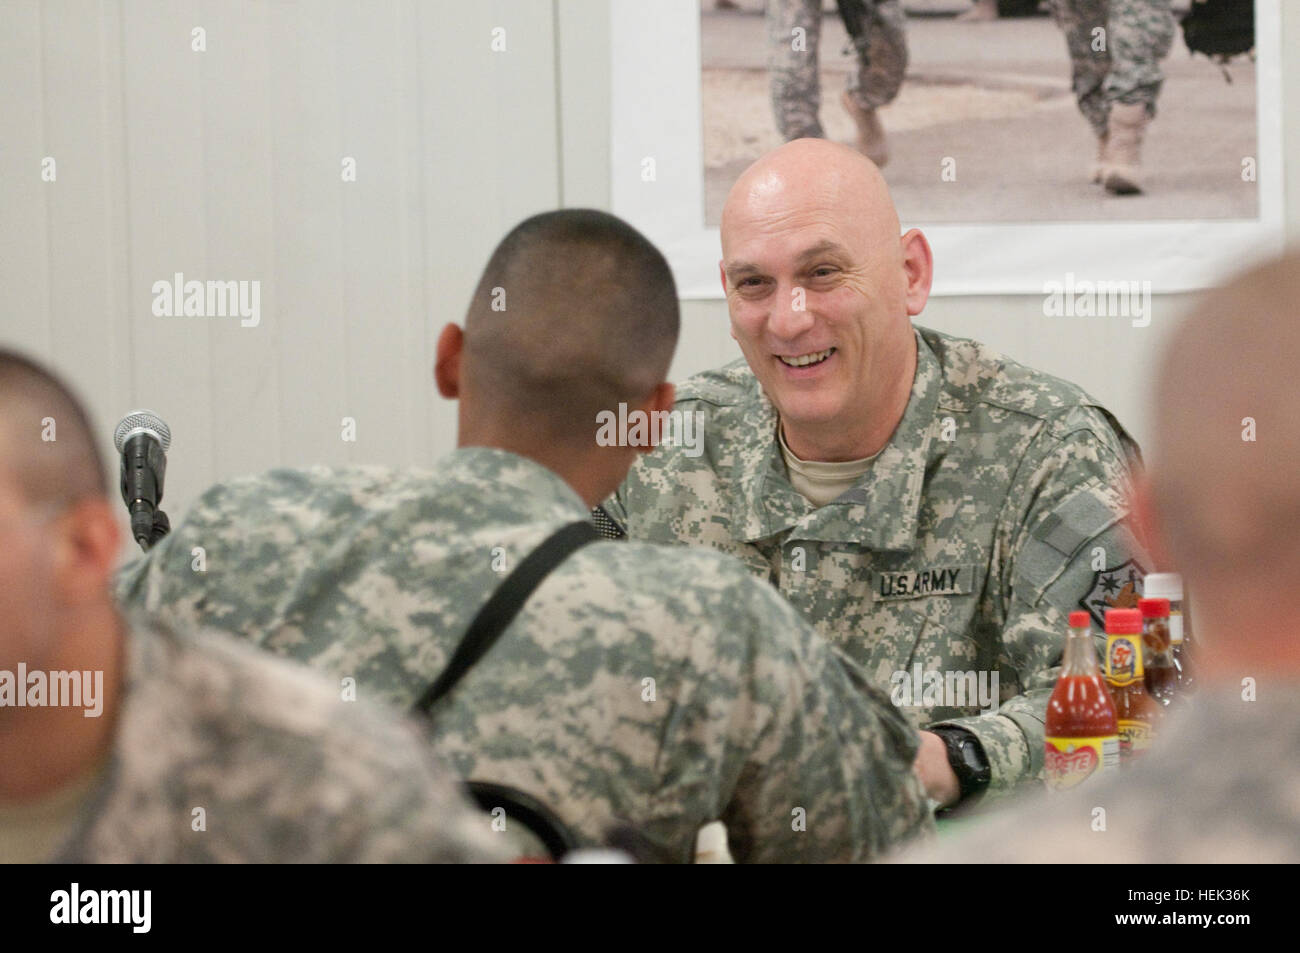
x: 283, y: 769
x: 376, y: 573
x: 792, y: 61
x: 1218, y: 787
x: 1121, y: 64
x: 962, y: 549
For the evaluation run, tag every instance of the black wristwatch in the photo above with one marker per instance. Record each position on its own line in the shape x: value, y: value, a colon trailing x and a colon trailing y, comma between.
x: 967, y: 758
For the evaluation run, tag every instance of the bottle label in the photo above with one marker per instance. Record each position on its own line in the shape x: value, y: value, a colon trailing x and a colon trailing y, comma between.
x: 1134, y: 736
x: 1176, y: 626
x: 1071, y: 761
x: 1123, y: 659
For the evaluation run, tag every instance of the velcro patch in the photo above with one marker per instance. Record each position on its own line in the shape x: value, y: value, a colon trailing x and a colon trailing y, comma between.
x: 916, y: 583
x: 1077, y: 521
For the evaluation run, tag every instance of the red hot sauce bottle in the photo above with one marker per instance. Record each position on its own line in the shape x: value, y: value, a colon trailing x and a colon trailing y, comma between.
x: 1082, y: 732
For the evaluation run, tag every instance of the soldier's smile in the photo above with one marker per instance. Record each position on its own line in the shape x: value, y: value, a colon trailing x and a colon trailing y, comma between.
x: 805, y: 365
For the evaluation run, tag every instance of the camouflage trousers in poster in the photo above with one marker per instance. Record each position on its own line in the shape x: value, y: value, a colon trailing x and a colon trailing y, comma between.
x: 1115, y: 51
x: 794, y: 34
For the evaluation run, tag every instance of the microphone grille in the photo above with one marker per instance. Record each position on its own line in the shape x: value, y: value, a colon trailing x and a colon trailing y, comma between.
x: 142, y: 421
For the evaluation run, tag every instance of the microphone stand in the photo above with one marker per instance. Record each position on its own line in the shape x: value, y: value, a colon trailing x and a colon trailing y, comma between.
x: 161, y: 527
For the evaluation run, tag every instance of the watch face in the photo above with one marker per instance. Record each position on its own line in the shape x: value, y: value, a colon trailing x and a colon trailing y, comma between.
x: 971, y: 767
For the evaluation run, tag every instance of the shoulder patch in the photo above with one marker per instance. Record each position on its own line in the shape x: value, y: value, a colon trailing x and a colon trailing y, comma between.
x: 1119, y: 587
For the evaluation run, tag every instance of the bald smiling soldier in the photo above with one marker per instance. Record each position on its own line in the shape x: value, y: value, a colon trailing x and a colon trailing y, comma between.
x: 932, y: 507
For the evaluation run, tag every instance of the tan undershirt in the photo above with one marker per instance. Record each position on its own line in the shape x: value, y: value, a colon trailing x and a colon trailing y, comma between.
x: 31, y: 833
x: 819, y: 482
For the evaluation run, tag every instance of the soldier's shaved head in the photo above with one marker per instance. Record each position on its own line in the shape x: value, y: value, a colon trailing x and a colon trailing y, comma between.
x: 815, y: 271
x: 36, y: 405
x: 815, y: 179
x: 1225, y: 458
x: 576, y: 312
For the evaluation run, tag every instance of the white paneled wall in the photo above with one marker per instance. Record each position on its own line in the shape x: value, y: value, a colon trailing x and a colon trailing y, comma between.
x: 226, y: 165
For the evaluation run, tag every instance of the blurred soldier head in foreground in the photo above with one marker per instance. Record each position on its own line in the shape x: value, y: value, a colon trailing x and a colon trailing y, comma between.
x: 1221, y: 502
x: 1223, y: 492
x: 59, y: 542
x: 123, y: 743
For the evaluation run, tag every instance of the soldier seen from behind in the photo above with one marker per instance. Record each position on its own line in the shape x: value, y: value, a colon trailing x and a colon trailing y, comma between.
x: 644, y: 686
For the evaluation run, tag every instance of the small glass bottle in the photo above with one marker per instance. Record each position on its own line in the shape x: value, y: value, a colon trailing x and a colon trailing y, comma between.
x: 1169, y: 585
x: 1161, y: 675
x: 1136, y: 712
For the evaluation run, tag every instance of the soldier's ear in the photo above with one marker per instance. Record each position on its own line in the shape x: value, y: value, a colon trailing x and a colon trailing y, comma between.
x: 87, y: 541
x: 446, y: 367
x: 667, y: 395
x: 663, y: 397
x: 918, y: 266
x: 661, y: 400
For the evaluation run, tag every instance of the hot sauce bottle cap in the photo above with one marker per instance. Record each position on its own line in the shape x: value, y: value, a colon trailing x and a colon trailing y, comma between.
x: 1080, y: 619
x: 1167, y: 585
x: 1153, y: 608
x: 1123, y: 622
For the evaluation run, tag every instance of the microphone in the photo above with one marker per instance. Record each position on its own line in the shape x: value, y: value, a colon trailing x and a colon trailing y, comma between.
x: 142, y: 438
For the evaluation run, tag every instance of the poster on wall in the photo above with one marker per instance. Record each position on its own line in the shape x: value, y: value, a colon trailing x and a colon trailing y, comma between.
x: 990, y: 119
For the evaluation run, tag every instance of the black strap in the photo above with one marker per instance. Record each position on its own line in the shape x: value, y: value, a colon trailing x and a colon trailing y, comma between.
x: 505, y: 604
x: 519, y: 806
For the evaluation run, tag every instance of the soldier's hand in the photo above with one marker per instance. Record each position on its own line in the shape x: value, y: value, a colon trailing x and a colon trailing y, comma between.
x: 935, y: 772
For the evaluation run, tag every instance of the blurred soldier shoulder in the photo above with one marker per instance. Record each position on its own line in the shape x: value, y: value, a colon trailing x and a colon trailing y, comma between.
x: 223, y: 754
x: 1215, y: 791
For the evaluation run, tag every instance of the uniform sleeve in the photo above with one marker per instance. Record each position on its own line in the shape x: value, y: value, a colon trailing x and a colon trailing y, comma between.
x: 160, y: 581
x: 1068, y: 546
x: 234, y: 560
x: 829, y: 775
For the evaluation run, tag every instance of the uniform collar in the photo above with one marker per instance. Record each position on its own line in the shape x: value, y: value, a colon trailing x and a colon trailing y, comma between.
x: 524, y: 487
x: 880, y: 511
